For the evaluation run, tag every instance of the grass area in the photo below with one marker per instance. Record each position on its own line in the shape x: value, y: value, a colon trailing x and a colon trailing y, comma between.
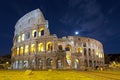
x: 59, y: 75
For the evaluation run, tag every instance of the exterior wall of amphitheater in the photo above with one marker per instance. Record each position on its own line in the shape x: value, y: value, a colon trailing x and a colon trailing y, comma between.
x: 34, y: 47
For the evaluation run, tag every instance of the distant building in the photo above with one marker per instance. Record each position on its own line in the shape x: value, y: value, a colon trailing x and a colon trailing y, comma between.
x: 34, y: 47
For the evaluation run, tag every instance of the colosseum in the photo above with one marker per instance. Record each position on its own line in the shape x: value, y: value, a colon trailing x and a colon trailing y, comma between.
x: 35, y: 48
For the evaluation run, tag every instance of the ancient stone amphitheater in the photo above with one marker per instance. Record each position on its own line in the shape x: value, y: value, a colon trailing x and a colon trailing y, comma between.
x: 35, y: 48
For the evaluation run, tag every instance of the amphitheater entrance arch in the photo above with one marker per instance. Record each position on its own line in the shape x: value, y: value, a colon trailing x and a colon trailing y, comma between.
x: 20, y: 64
x: 25, y: 64
x: 59, y: 64
x: 76, y: 64
x: 16, y: 65
x: 32, y: 63
x: 49, y: 63
x: 49, y: 46
x: 60, y: 47
x: 40, y: 63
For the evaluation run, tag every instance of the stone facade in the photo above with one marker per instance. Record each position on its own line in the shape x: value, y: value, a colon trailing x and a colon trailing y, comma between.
x: 34, y: 47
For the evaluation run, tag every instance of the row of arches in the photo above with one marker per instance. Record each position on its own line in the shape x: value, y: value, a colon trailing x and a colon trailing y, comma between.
x: 69, y: 48
x: 41, y: 47
x: 32, y: 48
x: 42, y: 64
x: 27, y: 35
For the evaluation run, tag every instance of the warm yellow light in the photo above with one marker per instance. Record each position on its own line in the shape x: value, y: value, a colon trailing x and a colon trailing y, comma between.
x: 69, y: 47
x: 7, y: 62
x: 80, y: 50
x: 33, y: 33
x: 77, y: 60
x: 32, y: 48
x: 97, y: 53
x: 40, y: 47
x: 26, y: 49
x: 49, y: 46
x: 68, y: 57
x: 23, y: 37
x: 41, y: 29
x: 21, y: 50
x: 17, y: 51
x: 19, y: 38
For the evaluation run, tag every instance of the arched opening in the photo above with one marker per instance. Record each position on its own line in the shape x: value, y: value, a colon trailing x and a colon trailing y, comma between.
x: 40, y: 47
x: 84, y: 44
x: 23, y: 37
x: 18, y: 51
x: 40, y: 63
x: 86, y: 63
x: 49, y: 46
x: 16, y: 65
x: 21, y: 50
x: 60, y: 47
x: 25, y: 64
x: 33, y: 48
x: 20, y: 64
x: 41, y: 32
x: 76, y: 63
x: 90, y: 63
x: 26, y: 49
x: 34, y: 33
x: 59, y: 64
x: 27, y: 35
x: 79, y: 50
x: 68, y: 47
x: 49, y: 63
x: 19, y: 38
x: 32, y: 63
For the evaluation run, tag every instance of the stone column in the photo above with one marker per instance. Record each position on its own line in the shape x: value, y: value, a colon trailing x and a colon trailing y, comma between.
x: 36, y: 45
x: 64, y: 63
x: 87, y: 57
x: 44, y: 63
x: 54, y: 63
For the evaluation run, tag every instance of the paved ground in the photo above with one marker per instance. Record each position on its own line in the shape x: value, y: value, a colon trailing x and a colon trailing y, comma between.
x: 59, y: 75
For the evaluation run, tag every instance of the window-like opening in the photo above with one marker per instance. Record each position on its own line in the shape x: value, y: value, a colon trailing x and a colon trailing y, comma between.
x: 40, y: 47
x: 84, y: 44
x: 19, y: 38
x: 17, y: 51
x: 32, y: 48
x: 21, y: 50
x: 59, y: 64
x: 49, y: 63
x: 41, y: 32
x: 49, y: 46
x: 26, y: 49
x: 68, y: 48
x: 60, y: 47
x: 34, y: 33
x: 27, y: 35
x: 80, y: 50
x: 23, y: 37
x: 76, y: 63
x: 40, y: 63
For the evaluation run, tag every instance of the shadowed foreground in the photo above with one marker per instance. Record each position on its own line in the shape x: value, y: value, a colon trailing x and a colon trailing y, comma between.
x: 59, y: 75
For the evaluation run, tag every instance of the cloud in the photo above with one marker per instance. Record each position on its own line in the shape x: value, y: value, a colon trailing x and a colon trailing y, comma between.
x: 86, y: 15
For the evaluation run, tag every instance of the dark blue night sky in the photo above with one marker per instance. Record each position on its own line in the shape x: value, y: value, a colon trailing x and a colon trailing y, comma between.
x: 99, y: 19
